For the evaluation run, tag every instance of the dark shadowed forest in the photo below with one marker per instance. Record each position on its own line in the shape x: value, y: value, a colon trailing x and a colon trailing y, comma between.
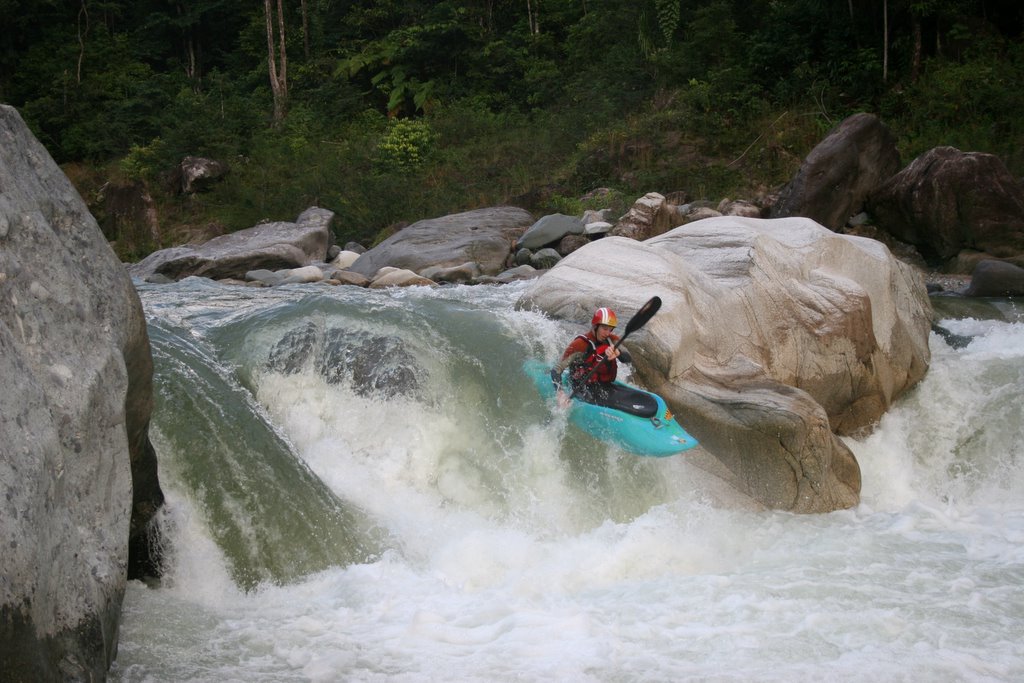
x: 390, y: 111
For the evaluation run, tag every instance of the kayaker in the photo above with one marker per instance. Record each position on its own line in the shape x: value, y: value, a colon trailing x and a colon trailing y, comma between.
x: 592, y: 358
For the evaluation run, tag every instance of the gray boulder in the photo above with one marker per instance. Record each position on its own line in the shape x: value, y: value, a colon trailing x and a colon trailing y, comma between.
x: 997, y: 279
x: 520, y: 272
x: 774, y: 337
x: 544, y: 258
x: 267, y: 278
x: 77, y: 470
x: 485, y: 236
x: 548, y: 230
x: 947, y: 202
x: 198, y: 174
x: 837, y: 176
x: 371, y: 364
x: 268, y: 246
x: 597, y: 228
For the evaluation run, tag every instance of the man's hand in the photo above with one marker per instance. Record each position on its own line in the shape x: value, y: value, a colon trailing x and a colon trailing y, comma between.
x: 611, y: 353
x: 563, y: 399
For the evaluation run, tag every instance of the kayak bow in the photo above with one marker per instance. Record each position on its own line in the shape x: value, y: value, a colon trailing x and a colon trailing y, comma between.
x: 639, y: 422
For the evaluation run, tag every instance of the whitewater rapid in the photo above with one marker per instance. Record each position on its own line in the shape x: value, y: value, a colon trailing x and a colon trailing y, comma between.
x: 486, y: 540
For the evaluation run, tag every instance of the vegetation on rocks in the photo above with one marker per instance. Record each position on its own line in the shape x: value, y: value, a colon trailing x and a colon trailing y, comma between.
x: 387, y: 112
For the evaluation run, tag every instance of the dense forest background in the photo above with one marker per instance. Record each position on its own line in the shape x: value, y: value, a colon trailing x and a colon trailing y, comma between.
x: 396, y: 110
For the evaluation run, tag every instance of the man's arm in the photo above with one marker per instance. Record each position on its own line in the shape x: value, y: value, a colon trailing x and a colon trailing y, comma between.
x: 560, y: 366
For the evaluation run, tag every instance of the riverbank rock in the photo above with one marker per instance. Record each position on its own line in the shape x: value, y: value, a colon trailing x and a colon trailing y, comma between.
x: 198, y: 174
x: 77, y: 469
x: 996, y: 278
x: 774, y: 337
x: 485, y: 236
x: 650, y: 215
x: 947, y: 202
x: 548, y: 230
x: 398, y: 277
x: 268, y: 246
x: 836, y: 178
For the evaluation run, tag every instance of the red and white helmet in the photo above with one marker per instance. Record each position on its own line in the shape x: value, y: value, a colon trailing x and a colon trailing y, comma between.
x: 604, y: 316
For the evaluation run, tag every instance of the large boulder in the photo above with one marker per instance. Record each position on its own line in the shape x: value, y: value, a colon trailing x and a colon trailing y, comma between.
x: 996, y: 279
x: 946, y: 202
x: 837, y: 176
x: 774, y: 336
x: 485, y: 236
x: 268, y: 246
x: 77, y: 470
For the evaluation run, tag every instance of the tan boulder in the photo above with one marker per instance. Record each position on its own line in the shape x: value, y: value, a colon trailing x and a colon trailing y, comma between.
x: 649, y: 216
x: 774, y: 336
x: 398, y: 277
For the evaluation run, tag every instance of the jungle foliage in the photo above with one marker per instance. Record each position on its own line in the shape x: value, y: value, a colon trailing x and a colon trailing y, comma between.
x: 393, y: 110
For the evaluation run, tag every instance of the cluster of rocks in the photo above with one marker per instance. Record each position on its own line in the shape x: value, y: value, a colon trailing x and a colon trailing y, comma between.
x: 947, y: 213
x: 555, y: 236
x: 472, y: 246
x: 483, y: 246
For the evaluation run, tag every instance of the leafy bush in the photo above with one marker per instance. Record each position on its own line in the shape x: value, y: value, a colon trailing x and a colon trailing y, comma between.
x: 973, y: 105
x: 406, y: 146
x: 142, y: 162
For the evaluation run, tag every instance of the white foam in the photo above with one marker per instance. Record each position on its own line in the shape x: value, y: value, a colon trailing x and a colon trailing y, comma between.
x: 516, y: 554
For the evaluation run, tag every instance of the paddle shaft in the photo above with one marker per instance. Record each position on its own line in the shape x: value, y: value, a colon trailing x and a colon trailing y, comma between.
x: 638, y: 320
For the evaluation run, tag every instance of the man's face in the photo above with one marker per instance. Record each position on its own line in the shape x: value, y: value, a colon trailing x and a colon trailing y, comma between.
x: 603, y: 331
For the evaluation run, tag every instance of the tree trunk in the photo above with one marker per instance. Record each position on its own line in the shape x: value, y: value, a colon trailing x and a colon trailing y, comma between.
x: 915, y: 58
x: 83, y: 16
x: 532, y: 17
x: 305, y: 29
x: 188, y: 47
x: 282, y: 71
x: 277, y: 63
x: 885, y: 41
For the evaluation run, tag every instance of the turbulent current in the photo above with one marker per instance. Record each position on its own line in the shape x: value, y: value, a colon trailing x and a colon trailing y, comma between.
x: 364, y: 486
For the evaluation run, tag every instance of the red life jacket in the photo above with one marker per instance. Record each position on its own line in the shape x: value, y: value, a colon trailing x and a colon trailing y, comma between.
x: 606, y: 371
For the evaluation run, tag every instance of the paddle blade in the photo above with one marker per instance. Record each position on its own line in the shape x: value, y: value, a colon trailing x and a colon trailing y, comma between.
x: 641, y: 317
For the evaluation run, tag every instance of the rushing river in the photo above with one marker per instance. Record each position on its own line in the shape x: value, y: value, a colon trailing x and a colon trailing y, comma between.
x: 363, y: 486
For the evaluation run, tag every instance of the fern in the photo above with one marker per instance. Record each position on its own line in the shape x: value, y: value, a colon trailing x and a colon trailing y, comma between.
x: 668, y: 18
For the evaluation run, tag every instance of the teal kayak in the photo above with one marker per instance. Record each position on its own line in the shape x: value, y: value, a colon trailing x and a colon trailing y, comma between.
x: 635, y: 420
